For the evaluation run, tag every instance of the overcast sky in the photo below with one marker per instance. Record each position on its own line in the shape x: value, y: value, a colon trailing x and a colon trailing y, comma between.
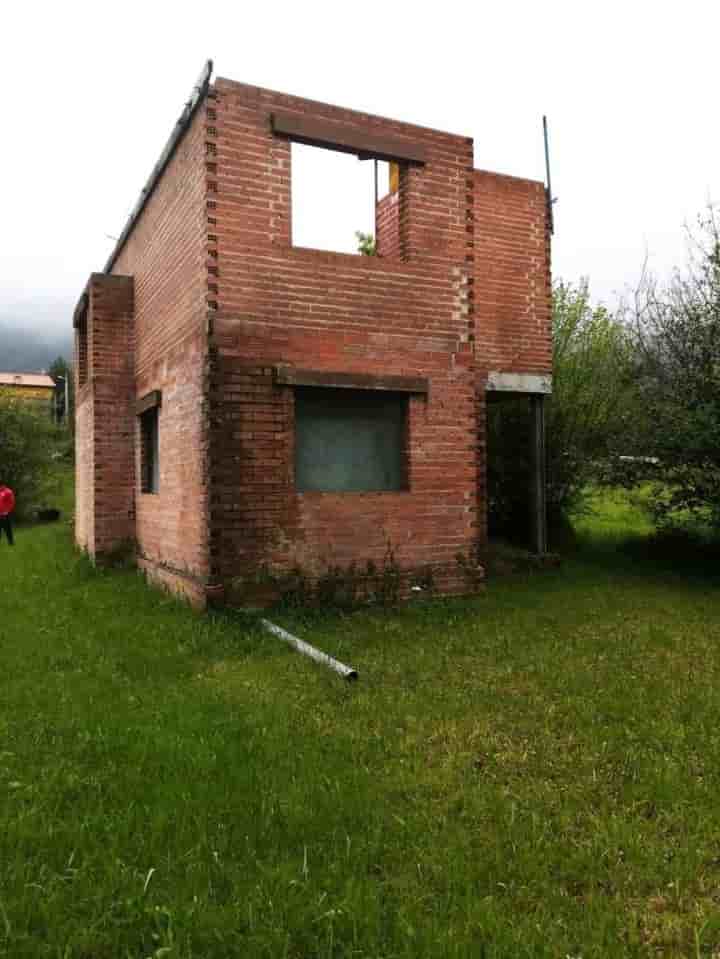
x: 90, y: 93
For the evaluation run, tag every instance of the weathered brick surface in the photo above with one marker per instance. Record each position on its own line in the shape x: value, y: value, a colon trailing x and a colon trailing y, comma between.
x: 388, y: 225
x: 166, y: 254
x: 105, y: 515
x: 111, y: 343
x: 178, y: 581
x: 326, y: 311
x: 512, y: 276
x: 172, y: 523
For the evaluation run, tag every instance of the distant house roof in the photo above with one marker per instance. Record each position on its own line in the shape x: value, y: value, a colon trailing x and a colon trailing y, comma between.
x: 27, y: 379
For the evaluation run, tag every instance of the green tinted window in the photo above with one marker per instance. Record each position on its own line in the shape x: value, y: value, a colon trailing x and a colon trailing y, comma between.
x: 349, y: 440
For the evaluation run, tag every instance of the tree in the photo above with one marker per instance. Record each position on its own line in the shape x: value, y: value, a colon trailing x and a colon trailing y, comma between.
x: 594, y: 398
x: 588, y: 413
x: 677, y: 339
x: 26, y: 443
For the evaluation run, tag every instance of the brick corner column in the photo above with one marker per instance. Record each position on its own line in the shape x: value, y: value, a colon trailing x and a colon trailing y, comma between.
x: 111, y: 375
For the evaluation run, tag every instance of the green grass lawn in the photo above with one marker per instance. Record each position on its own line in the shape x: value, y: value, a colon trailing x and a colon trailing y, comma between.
x: 534, y: 772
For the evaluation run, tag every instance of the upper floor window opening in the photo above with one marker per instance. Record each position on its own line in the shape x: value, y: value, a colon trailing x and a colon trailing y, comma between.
x: 334, y: 198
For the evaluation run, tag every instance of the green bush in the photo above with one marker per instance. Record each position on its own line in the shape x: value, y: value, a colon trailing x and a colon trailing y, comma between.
x: 677, y: 343
x: 592, y: 404
x: 28, y: 440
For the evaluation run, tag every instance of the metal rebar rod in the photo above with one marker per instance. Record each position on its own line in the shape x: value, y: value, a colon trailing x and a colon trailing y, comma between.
x: 539, y: 481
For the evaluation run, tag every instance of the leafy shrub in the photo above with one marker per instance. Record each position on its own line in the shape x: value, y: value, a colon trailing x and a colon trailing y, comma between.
x: 587, y: 415
x: 367, y: 245
x: 27, y: 441
x: 677, y: 343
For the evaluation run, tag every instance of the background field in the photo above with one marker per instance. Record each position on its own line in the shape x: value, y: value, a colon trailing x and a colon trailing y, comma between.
x: 533, y: 772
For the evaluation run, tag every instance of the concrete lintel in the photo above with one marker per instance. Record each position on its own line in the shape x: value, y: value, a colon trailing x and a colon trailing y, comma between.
x: 519, y: 382
x: 291, y: 376
x: 346, y: 138
x: 148, y: 402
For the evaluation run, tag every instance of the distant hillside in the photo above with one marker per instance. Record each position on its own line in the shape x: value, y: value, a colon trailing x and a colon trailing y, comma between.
x: 25, y: 348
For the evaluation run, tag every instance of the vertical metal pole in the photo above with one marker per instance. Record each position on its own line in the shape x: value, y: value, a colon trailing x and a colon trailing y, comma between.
x: 537, y: 407
x: 375, y: 166
x: 547, y: 173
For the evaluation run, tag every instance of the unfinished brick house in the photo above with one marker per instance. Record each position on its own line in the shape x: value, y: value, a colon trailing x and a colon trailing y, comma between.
x: 245, y: 405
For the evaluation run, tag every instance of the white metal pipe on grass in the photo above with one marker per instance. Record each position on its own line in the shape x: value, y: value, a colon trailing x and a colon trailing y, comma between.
x: 347, y: 672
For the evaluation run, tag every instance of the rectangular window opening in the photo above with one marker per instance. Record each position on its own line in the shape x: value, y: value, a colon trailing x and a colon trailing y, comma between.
x: 350, y: 440
x: 149, y: 451
x: 333, y: 199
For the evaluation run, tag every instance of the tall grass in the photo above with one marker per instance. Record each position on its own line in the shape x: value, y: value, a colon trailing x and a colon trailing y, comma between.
x: 533, y: 772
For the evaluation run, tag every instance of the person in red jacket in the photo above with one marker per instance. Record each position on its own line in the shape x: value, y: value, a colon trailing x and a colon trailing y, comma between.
x: 7, y: 505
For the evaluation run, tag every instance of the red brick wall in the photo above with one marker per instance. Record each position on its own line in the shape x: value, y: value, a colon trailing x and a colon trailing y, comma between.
x: 512, y: 276
x: 104, y: 424
x: 167, y: 254
x: 327, y: 311
x: 388, y: 225
x: 172, y: 523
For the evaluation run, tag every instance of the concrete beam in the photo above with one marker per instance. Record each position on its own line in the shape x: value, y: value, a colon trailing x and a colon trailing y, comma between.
x: 519, y: 383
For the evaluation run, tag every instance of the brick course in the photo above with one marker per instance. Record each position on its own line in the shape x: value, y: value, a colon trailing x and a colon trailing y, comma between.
x: 105, y: 507
x: 166, y: 254
x: 388, y: 225
x: 513, y: 301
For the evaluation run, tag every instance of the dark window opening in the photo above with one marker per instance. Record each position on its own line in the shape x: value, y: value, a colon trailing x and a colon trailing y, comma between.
x: 350, y: 440
x: 149, y: 451
x: 334, y: 197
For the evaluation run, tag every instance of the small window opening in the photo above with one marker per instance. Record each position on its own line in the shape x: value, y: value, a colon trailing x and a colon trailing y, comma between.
x: 334, y: 198
x: 350, y: 440
x: 149, y: 451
